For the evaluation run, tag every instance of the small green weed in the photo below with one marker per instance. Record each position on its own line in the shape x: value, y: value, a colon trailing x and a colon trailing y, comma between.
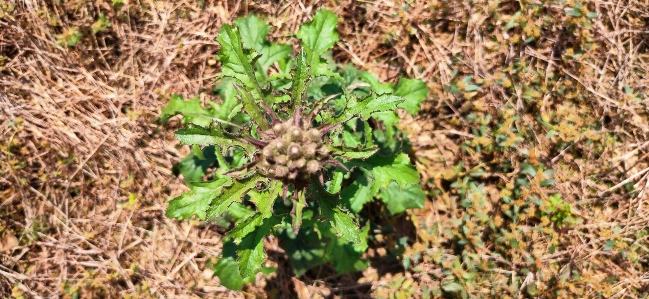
x: 69, y: 38
x: 297, y: 147
x: 101, y: 24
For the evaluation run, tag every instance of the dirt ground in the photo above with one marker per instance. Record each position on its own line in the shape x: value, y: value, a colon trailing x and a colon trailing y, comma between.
x: 85, y: 170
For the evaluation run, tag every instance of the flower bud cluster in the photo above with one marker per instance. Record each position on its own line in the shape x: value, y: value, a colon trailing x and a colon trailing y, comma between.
x: 294, y: 153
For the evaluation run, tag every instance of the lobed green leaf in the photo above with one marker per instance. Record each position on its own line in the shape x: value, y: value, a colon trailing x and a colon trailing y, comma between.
x: 232, y: 194
x: 398, y: 199
x: 352, y: 153
x: 251, y: 106
x: 251, y: 249
x: 365, y: 108
x: 397, y: 169
x: 237, y: 61
x: 197, y: 201
x: 317, y: 37
x: 378, y: 173
x: 227, y: 268
x: 301, y: 80
x: 192, y: 111
x: 264, y: 201
x: 341, y: 222
x: 347, y: 257
x: 305, y: 250
x: 376, y: 85
x: 194, y: 166
x: 271, y: 54
x: 414, y: 91
x: 206, y: 137
x: 253, y: 32
x: 253, y: 36
x: 359, y: 192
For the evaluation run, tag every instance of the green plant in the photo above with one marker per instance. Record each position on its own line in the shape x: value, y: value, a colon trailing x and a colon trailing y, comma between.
x: 321, y: 139
x: 558, y: 210
x: 7, y: 9
x: 69, y: 38
x: 101, y: 24
x: 117, y: 3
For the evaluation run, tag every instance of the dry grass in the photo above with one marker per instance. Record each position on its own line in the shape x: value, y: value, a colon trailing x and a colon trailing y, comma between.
x: 88, y: 173
x: 85, y: 173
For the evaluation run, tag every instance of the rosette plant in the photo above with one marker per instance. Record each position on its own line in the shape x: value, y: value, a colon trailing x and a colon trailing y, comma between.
x: 296, y: 148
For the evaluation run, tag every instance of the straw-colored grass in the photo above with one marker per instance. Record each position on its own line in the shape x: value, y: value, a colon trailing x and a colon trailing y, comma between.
x: 85, y: 172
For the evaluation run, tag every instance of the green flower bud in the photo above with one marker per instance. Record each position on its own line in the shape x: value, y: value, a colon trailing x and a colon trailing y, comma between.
x: 287, y: 138
x: 323, y: 151
x: 309, y: 150
x: 263, y: 171
x: 264, y: 165
x: 300, y: 163
x: 294, y: 151
x: 268, y: 151
x: 280, y: 145
x: 312, y: 167
x: 296, y: 134
x: 314, y: 135
x: 281, y: 171
x: 281, y: 160
x: 278, y: 129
